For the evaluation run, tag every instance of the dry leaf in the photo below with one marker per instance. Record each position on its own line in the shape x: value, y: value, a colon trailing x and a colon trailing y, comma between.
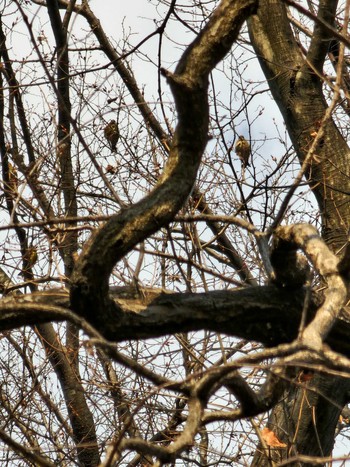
x: 271, y: 439
x: 110, y: 169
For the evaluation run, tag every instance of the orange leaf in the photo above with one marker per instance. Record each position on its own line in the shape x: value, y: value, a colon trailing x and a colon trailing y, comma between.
x: 271, y: 439
x: 110, y: 169
x: 306, y: 375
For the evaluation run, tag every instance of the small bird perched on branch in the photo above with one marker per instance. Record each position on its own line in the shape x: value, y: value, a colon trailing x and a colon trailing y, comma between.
x: 13, y: 178
x: 242, y: 149
x: 111, y: 132
x: 30, y: 258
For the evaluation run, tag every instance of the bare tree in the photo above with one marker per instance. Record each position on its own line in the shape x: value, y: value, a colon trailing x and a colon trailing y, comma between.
x: 161, y: 304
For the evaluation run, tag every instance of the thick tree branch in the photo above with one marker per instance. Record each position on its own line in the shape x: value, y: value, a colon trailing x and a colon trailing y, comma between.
x: 321, y: 36
x: 81, y: 419
x: 266, y: 314
x: 189, y: 85
x: 117, y: 61
x: 298, y: 93
x: 325, y: 263
x: 69, y: 244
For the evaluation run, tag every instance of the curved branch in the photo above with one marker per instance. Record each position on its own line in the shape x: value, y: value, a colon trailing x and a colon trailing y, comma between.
x: 189, y: 85
x: 306, y: 237
x: 117, y: 61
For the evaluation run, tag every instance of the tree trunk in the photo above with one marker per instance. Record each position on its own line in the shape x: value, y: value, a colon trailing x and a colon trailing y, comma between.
x: 306, y: 419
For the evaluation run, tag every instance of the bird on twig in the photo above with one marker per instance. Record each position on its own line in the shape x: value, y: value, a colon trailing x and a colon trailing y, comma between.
x: 242, y: 149
x: 111, y: 133
x: 30, y: 258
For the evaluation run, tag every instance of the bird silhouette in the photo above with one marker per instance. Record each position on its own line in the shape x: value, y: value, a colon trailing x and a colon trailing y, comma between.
x: 30, y: 258
x: 242, y: 149
x: 111, y: 133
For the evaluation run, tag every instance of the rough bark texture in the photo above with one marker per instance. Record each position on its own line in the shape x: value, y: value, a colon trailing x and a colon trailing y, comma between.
x: 308, y: 410
x: 189, y: 85
x: 256, y: 313
x: 297, y: 90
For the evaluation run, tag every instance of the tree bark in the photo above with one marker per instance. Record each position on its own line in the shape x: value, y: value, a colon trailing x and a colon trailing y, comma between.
x: 296, y: 82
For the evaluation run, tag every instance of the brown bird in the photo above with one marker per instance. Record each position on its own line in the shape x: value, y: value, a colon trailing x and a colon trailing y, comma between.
x: 111, y: 132
x: 30, y: 258
x: 13, y: 178
x: 242, y: 149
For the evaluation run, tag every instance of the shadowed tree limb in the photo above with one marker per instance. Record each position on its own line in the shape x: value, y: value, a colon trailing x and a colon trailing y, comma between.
x: 189, y: 85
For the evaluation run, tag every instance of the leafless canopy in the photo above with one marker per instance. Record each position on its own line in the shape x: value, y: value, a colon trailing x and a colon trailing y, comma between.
x: 162, y: 304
